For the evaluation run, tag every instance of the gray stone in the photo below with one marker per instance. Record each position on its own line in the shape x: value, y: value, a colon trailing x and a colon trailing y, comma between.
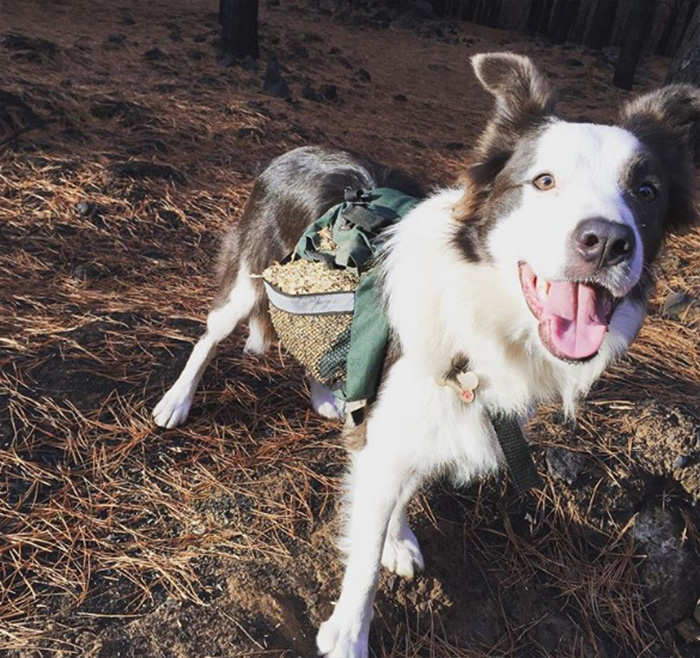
x: 675, y: 304
x: 565, y: 464
x: 670, y: 572
x: 274, y: 84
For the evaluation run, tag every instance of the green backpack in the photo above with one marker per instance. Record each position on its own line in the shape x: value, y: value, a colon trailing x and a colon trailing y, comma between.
x: 341, y: 335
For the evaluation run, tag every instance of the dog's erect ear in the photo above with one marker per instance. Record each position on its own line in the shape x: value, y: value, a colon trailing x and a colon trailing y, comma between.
x: 667, y: 121
x: 524, y: 99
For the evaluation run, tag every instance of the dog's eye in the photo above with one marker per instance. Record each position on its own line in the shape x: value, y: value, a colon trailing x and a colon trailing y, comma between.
x: 544, y: 182
x: 647, y: 192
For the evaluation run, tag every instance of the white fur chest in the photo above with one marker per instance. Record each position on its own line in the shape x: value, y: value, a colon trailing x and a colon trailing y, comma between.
x: 438, y: 433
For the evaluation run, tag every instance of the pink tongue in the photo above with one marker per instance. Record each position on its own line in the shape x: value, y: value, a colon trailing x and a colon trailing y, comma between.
x: 577, y: 327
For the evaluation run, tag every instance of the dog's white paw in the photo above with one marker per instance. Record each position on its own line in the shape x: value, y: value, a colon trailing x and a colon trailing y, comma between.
x: 256, y: 343
x: 324, y: 403
x: 402, y: 554
x: 173, y: 408
x: 337, y: 639
x: 331, y: 410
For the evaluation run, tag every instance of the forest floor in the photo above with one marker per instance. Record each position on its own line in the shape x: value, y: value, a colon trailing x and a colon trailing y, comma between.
x: 120, y: 539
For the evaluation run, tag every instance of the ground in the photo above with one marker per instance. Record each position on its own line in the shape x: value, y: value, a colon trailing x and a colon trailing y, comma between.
x: 125, y: 150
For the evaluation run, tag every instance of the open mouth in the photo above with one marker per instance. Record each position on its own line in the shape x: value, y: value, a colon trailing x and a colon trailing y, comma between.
x: 573, y: 315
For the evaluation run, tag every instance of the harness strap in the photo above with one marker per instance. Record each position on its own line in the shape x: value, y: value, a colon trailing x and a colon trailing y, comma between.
x: 371, y: 222
x: 517, y: 452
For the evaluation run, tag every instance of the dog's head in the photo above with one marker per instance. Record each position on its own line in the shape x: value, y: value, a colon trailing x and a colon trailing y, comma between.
x: 574, y: 213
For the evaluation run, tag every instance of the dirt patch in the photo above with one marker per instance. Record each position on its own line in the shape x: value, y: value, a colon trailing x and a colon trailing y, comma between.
x: 126, y: 149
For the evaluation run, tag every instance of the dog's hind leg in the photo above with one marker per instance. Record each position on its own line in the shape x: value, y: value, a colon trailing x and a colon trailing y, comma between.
x: 244, y: 299
x: 260, y: 329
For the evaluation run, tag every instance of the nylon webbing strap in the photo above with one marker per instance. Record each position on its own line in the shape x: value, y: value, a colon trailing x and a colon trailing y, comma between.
x: 517, y: 453
x: 365, y: 219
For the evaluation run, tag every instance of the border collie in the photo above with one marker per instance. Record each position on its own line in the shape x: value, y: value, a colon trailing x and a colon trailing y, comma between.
x: 536, y: 265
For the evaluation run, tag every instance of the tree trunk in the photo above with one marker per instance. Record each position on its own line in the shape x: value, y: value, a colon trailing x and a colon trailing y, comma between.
x: 468, y: 9
x: 239, y: 28
x: 600, y: 30
x: 564, y: 19
x: 638, y: 23
x: 685, y: 65
x: 533, y: 20
x: 514, y: 15
x: 578, y: 31
x: 546, y: 16
x: 663, y: 47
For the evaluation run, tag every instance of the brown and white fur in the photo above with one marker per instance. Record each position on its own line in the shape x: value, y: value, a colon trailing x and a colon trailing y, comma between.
x: 536, y: 265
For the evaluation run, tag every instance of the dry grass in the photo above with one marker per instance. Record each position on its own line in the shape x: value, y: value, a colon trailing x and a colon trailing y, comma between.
x: 103, y: 273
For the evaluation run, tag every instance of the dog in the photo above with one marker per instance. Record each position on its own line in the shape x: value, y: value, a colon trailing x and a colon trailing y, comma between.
x: 536, y: 265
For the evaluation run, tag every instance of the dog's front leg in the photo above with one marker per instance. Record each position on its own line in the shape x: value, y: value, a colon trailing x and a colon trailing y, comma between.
x: 373, y: 490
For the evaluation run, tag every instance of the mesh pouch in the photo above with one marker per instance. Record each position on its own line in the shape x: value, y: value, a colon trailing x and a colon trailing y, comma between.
x: 314, y: 326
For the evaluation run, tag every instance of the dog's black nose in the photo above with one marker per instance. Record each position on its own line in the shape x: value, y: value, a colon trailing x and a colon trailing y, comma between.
x: 603, y: 242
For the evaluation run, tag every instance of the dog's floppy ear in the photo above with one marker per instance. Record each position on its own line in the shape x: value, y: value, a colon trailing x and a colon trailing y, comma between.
x: 524, y: 99
x: 667, y: 121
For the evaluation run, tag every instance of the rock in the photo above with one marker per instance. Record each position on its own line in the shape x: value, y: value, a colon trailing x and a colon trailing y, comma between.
x: 670, y: 572
x: 249, y: 64
x: 676, y: 304
x: 274, y: 84
x: 401, y: 98
x: 423, y: 8
x: 29, y: 44
x: 242, y: 133
x: 127, y: 20
x: 130, y: 114
x: 140, y: 169
x: 689, y: 630
x: 226, y: 61
x: 83, y: 208
x: 309, y: 93
x: 328, y: 92
x: 362, y: 75
x: 116, y: 38
x: 153, y: 55
x: 406, y: 21
x: 565, y: 464
x: 165, y: 88
x: 681, y: 436
x: 382, y: 17
x: 297, y: 49
x: 16, y: 115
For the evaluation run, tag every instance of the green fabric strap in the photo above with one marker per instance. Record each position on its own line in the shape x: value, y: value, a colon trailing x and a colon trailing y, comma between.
x: 369, y: 336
